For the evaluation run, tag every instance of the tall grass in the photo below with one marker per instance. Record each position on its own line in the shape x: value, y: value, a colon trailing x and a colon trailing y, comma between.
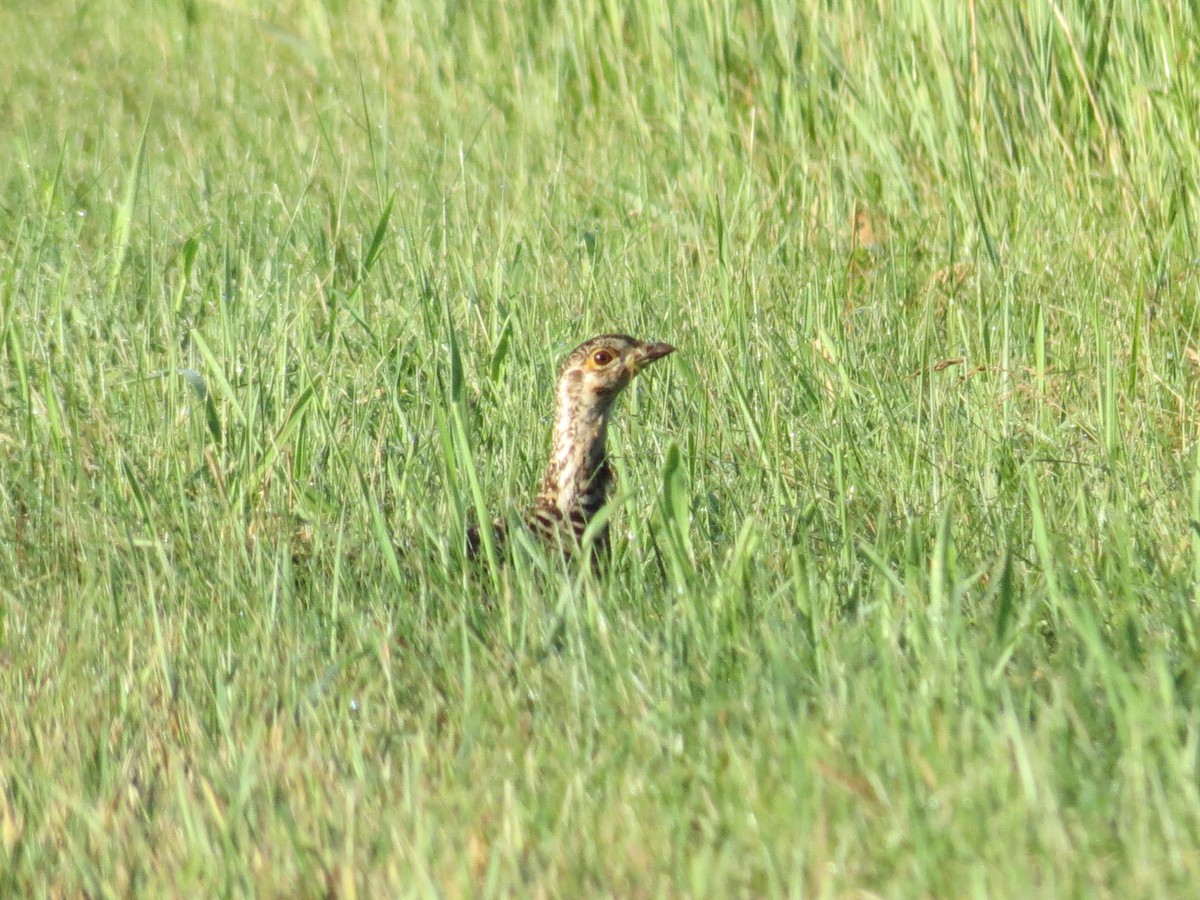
x: 903, y: 597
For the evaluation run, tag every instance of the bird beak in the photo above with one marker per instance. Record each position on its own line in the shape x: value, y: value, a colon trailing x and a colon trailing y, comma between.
x: 648, y: 353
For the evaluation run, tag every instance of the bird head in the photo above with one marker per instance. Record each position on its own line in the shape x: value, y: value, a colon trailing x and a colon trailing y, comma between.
x: 598, y: 370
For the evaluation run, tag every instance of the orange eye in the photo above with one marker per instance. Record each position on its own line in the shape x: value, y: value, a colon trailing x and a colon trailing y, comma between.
x: 602, y: 357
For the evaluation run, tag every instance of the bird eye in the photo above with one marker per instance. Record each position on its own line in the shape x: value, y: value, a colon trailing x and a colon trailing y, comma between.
x: 602, y: 357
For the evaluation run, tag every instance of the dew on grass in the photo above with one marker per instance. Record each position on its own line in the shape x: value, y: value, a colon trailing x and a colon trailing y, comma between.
x: 195, y: 381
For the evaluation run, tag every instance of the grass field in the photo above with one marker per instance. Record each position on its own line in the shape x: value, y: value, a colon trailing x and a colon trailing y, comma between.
x: 904, y: 591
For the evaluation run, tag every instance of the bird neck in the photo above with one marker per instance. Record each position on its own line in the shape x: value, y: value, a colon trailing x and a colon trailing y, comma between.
x: 577, y: 473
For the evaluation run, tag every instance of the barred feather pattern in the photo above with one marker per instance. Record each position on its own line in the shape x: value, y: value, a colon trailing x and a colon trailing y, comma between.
x: 578, y: 478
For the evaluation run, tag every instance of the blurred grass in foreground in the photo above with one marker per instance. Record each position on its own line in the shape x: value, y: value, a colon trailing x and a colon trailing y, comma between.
x: 904, y: 599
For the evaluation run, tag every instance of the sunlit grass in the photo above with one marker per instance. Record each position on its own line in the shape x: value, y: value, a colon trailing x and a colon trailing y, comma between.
x: 903, y: 592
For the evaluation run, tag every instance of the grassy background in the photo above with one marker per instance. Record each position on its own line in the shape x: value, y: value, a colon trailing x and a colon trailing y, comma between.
x: 904, y: 592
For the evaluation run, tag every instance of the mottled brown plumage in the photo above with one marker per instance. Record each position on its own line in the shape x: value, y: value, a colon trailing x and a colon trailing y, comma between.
x: 578, y: 478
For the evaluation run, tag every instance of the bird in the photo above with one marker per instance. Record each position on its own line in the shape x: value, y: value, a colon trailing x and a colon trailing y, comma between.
x: 578, y: 478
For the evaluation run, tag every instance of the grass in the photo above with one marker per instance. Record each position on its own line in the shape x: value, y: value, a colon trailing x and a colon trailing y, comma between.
x: 903, y: 599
